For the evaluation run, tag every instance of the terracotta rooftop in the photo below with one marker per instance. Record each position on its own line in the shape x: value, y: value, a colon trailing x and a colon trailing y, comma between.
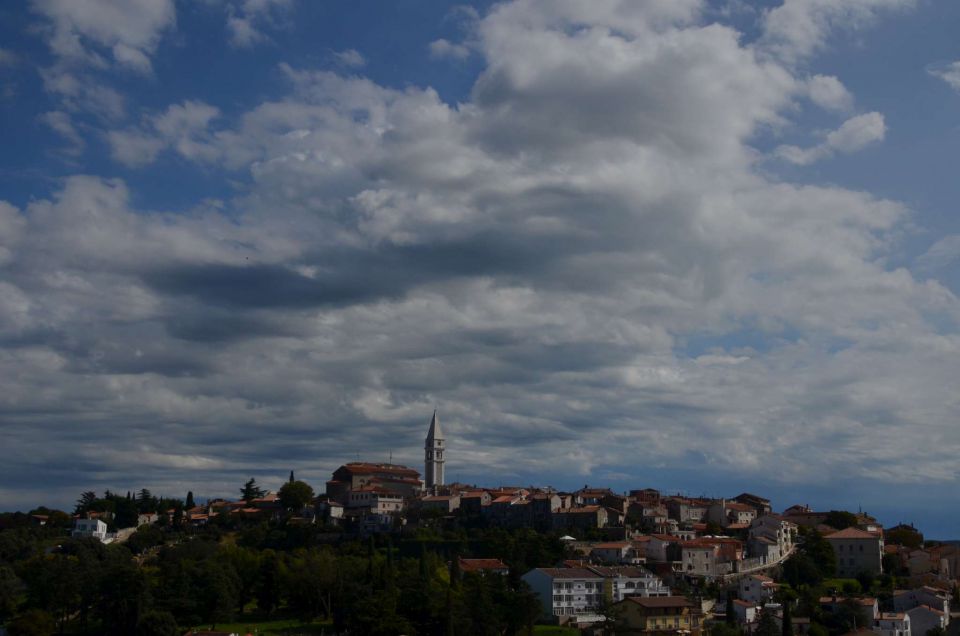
x: 657, y: 602
x: 852, y: 533
x: 569, y: 573
x: 477, y: 565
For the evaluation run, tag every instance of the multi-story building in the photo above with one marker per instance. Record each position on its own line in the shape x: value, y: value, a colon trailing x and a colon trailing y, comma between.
x: 581, y: 591
x: 90, y: 528
x: 375, y: 500
x: 892, y: 624
x: 399, y: 479
x: 758, y: 503
x: 857, y: 551
x: 757, y: 588
x: 566, y: 592
x: 659, y: 616
x: 772, y: 537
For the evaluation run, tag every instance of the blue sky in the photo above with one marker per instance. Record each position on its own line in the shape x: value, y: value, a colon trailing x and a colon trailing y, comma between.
x: 701, y: 246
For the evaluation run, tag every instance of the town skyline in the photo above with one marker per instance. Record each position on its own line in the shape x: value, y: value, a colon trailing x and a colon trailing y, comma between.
x: 689, y: 244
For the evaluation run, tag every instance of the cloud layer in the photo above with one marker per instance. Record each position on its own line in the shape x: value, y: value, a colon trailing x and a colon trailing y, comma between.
x: 582, y: 266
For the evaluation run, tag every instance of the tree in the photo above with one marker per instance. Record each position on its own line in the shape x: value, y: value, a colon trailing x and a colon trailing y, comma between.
x: 766, y: 626
x: 905, y: 536
x: 10, y: 588
x: 251, y: 491
x: 291, y: 480
x: 189, y: 504
x: 220, y: 589
x: 268, y: 584
x: 294, y: 495
x: 158, y: 623
x: 34, y: 622
x: 85, y: 502
x: 123, y: 597
x: 724, y: 629
x: 840, y: 519
x: 731, y: 617
x: 787, y: 623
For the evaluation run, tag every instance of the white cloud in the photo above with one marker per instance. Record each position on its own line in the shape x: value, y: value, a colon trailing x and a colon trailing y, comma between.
x: 182, y: 127
x: 350, y: 58
x: 949, y: 73
x: 576, y: 252
x: 941, y: 254
x: 440, y: 49
x: 83, y: 31
x: 854, y: 134
x: 829, y: 93
x: 60, y: 122
x: 84, y: 94
x: 798, y: 29
x: 247, y: 19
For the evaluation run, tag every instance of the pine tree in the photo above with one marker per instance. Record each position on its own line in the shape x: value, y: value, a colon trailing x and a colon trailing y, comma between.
x: 251, y: 491
x: 291, y: 480
x: 190, y: 504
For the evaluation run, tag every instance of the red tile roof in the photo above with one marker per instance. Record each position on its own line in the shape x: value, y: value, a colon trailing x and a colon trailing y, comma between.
x: 852, y: 533
x: 477, y: 565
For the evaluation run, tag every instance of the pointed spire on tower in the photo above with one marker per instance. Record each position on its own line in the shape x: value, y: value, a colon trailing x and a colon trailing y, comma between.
x: 434, y: 432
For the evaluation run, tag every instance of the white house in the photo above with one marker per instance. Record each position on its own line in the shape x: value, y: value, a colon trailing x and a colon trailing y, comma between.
x: 580, y: 591
x: 378, y: 500
x: 757, y: 588
x: 745, y: 611
x: 771, y: 530
x: 892, y: 624
x: 621, y: 582
x: 90, y: 528
x: 566, y: 592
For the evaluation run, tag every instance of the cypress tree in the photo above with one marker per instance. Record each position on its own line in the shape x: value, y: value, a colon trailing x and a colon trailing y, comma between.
x: 787, y: 625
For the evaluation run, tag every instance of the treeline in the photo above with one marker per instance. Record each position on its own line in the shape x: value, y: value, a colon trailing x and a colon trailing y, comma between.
x: 166, y: 579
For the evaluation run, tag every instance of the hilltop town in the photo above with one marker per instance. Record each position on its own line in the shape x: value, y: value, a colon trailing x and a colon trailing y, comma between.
x: 641, y: 562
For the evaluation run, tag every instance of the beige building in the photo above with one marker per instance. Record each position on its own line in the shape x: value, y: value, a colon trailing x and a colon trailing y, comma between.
x: 857, y: 551
x: 659, y: 616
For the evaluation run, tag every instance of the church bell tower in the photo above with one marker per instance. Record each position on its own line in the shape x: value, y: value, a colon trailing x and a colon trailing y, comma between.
x: 433, y: 456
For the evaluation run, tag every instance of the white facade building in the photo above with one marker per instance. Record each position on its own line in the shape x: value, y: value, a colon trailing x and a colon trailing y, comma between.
x: 566, y: 592
x: 90, y: 528
x: 892, y: 624
x: 581, y: 591
x: 757, y: 589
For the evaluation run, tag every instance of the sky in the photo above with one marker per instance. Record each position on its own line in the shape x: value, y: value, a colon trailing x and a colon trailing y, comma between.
x: 705, y: 247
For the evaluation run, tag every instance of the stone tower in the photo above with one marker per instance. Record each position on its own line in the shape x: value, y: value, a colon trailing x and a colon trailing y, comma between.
x: 433, y: 456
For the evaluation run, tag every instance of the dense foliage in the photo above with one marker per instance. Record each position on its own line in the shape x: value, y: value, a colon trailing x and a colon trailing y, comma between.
x: 165, y: 579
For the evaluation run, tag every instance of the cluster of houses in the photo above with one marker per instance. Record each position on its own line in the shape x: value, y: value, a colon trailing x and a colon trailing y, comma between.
x: 650, y: 542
